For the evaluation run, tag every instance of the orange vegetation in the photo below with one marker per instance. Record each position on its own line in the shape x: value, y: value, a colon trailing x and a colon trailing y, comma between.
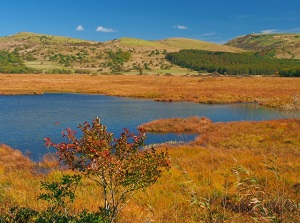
x: 236, y: 172
x: 12, y: 160
x: 269, y: 91
x: 178, y: 125
x: 233, y: 172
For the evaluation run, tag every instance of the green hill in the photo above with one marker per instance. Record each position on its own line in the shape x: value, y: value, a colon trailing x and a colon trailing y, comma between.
x: 59, y: 54
x: 275, y: 45
x: 184, y: 43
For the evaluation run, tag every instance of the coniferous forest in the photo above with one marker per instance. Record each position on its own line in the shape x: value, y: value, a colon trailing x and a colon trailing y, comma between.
x: 234, y: 63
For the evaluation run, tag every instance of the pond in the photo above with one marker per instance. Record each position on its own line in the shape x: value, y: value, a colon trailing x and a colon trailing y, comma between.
x: 25, y: 120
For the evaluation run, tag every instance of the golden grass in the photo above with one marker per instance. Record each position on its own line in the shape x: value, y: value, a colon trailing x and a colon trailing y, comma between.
x: 268, y: 91
x: 283, y: 134
x: 133, y: 42
x: 175, y: 44
x: 12, y: 160
x: 225, y: 173
x: 218, y: 179
x: 178, y: 125
x: 16, y: 180
x: 185, y: 43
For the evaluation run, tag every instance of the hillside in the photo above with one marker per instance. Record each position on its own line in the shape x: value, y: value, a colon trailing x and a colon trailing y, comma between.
x: 275, y: 45
x: 184, y: 43
x: 58, y: 54
x: 12, y: 63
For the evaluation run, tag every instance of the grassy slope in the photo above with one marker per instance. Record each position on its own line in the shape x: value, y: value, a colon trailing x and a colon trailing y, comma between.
x: 33, y: 38
x: 279, y: 45
x: 41, y: 47
x: 133, y: 42
x: 174, y: 44
x: 184, y: 43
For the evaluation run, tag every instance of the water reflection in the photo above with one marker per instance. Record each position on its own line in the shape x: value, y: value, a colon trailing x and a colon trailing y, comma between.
x: 26, y: 120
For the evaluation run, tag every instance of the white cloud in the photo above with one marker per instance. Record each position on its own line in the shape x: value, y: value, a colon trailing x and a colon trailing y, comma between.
x: 105, y: 30
x: 269, y: 31
x: 79, y: 28
x: 181, y: 27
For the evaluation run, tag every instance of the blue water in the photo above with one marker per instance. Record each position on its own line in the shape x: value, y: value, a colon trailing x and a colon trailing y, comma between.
x: 25, y: 120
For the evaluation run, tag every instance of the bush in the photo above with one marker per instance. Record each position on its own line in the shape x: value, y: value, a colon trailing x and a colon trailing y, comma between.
x: 11, y: 63
x: 59, y: 71
x: 82, y: 71
x: 118, y: 166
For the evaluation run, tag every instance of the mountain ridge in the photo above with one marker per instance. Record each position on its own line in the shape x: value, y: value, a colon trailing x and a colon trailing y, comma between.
x: 173, y: 42
x: 281, y: 45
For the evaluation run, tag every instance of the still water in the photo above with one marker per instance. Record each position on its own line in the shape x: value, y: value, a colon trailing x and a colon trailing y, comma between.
x: 25, y: 120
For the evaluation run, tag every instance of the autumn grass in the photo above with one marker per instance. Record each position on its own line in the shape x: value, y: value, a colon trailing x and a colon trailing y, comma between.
x: 178, y: 125
x: 269, y: 91
x: 185, y: 43
x: 233, y: 172
x: 20, y: 181
x: 15, y: 168
x: 236, y: 172
x: 174, y: 44
x: 133, y: 42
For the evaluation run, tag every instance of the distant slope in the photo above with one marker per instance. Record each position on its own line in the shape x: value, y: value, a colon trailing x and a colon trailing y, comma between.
x: 276, y: 45
x: 175, y: 44
x: 59, y: 54
x: 185, y: 43
x: 37, y: 38
x: 134, y: 42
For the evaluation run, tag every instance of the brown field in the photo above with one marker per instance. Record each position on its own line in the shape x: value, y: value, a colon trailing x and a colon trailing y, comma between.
x: 269, y: 91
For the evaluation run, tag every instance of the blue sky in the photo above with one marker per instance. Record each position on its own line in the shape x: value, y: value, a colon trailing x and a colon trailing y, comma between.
x: 101, y: 20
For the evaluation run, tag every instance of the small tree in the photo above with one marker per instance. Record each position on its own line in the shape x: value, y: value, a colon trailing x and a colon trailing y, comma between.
x: 59, y: 196
x: 119, y: 166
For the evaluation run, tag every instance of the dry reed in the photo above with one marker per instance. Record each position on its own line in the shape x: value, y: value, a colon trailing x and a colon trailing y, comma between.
x: 237, y: 172
x: 269, y: 91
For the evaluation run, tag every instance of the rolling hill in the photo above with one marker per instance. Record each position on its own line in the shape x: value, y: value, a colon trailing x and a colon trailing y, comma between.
x: 184, y: 43
x: 275, y: 45
x: 59, y: 54
x: 52, y: 54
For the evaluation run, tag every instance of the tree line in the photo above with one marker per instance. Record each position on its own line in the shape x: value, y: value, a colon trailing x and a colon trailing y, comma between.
x: 234, y: 63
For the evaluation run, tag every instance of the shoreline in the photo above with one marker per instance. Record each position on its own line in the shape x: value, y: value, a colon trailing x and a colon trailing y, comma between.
x: 276, y: 92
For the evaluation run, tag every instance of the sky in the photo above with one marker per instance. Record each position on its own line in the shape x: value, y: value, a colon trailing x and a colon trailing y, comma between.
x: 215, y: 21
